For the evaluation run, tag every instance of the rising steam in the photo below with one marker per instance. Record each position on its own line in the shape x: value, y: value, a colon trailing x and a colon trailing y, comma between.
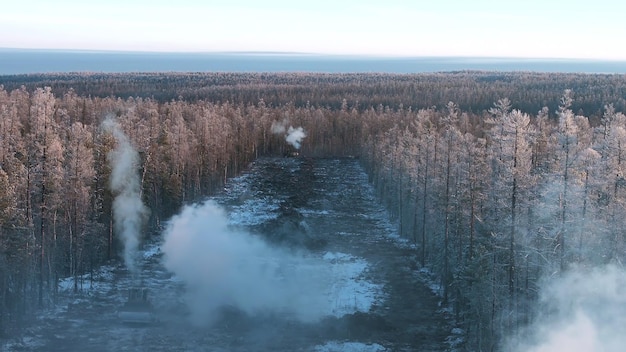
x: 128, y: 210
x: 224, y: 267
x: 584, y: 310
x: 293, y: 136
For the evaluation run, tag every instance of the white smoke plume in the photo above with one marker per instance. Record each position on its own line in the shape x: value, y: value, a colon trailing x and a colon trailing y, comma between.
x: 129, y: 212
x: 222, y: 267
x: 582, y: 311
x: 293, y: 136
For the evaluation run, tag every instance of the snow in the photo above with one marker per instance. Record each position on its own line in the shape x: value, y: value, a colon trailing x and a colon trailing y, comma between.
x: 98, y: 281
x: 247, y: 207
x: 306, y: 212
x: 456, y: 339
x: 24, y: 344
x: 151, y: 250
x: 335, y: 257
x: 253, y: 212
x: 349, y: 291
x: 458, y: 331
x: 335, y: 346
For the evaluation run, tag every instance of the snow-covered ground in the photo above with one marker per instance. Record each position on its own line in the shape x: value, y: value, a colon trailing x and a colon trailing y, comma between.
x: 348, y: 289
x: 334, y: 346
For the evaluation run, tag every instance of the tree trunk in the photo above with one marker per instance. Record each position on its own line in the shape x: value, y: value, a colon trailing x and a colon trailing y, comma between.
x: 446, y: 241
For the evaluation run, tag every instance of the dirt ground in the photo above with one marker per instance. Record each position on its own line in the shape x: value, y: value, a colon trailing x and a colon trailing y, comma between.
x: 324, y: 205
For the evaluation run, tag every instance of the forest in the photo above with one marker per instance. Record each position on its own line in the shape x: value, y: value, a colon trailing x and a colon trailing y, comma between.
x: 498, y: 179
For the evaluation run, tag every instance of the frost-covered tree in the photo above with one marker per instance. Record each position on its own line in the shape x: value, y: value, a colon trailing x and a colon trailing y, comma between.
x: 510, y: 154
x: 613, y: 150
x: 79, y: 174
x: 45, y: 162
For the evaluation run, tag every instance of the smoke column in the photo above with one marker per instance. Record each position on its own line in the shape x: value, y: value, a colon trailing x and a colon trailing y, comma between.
x: 293, y: 136
x: 582, y: 311
x: 221, y: 267
x: 128, y: 210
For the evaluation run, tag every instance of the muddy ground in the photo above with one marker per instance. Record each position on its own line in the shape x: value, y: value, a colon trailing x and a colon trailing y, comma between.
x: 317, y: 205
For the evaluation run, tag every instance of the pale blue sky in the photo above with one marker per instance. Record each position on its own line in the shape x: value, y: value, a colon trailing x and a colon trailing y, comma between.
x: 500, y: 28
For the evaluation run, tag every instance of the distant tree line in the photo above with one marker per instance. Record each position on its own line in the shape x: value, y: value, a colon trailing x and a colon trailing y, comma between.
x: 472, y: 91
x: 493, y: 198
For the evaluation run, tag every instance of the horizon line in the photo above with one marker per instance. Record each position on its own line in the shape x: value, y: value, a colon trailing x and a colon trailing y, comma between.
x: 309, y: 54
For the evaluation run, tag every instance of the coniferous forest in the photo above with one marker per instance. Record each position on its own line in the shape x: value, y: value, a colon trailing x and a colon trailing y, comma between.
x: 498, y: 179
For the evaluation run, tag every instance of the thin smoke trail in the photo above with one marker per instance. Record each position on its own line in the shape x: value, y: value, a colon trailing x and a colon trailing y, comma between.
x: 129, y: 211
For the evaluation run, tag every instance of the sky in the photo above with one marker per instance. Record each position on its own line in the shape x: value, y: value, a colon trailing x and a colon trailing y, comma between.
x: 587, y: 29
